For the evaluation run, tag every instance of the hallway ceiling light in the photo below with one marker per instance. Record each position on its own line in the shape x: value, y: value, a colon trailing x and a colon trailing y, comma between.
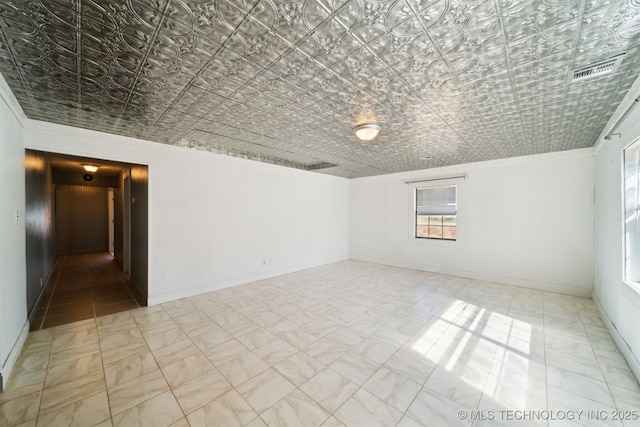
x: 90, y: 168
x: 367, y: 131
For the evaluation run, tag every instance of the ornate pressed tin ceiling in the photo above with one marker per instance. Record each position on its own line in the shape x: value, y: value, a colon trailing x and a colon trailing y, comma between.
x: 285, y: 82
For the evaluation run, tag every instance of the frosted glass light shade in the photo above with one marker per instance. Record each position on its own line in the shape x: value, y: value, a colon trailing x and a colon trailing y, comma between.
x: 367, y: 131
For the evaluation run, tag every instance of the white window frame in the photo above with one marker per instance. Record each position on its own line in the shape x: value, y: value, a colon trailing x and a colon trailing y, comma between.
x: 633, y: 149
x: 458, y: 182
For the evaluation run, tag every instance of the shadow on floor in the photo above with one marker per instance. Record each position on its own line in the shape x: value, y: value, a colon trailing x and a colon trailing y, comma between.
x: 85, y: 286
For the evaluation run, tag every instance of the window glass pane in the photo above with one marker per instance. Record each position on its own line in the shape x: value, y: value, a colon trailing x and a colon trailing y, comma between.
x: 435, y: 227
x: 422, y: 226
x: 632, y: 211
x: 449, y: 229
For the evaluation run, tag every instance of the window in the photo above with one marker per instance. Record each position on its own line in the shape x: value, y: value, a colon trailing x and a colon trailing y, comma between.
x: 632, y: 212
x: 436, y: 213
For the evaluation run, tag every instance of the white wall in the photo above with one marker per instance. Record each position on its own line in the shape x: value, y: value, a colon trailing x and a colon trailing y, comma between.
x: 214, y: 221
x: 525, y: 221
x: 13, y: 280
x: 618, y: 301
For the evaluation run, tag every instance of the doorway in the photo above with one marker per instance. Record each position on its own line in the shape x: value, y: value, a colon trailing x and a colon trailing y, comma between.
x: 94, y: 269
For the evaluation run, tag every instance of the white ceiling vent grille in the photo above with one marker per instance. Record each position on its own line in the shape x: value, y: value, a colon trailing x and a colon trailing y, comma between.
x: 598, y: 69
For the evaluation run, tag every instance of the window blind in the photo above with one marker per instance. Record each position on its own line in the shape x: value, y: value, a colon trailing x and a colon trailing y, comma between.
x: 436, y: 201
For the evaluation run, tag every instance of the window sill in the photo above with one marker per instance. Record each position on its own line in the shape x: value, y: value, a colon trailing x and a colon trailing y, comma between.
x: 423, y: 241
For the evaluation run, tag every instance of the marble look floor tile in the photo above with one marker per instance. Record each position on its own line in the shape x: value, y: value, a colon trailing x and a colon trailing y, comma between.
x: 326, y: 350
x: 82, y: 412
x: 199, y: 391
x: 355, y: 367
x: 391, y: 336
x: 347, y: 336
x: 21, y: 384
x: 256, y: 337
x: 175, y: 352
x: 229, y: 409
x: 32, y: 362
x: 190, y: 367
x: 265, y: 389
x: 126, y: 337
x: 154, y: 322
x: 276, y: 351
x: 329, y: 389
x: 392, y: 388
x: 20, y: 410
x: 365, y: 409
x: 71, y: 353
x: 375, y: 350
x: 560, y: 399
x: 225, y: 352
x: 620, y: 377
x: 72, y: 339
x: 127, y: 395
x: 579, y: 384
x: 165, y: 338
x: 192, y: 320
x: 407, y: 421
x: 433, y: 409
x: 63, y: 394
x: 211, y: 338
x: 160, y: 410
x: 410, y: 364
x: 300, y: 338
x: 296, y: 409
x: 389, y: 329
x: 182, y: 422
x: 455, y: 387
x: 299, y: 367
x: 115, y: 319
x: 242, y: 368
x: 130, y: 368
x: 332, y: 422
x: 283, y: 326
x: 73, y: 369
x: 624, y: 400
x: 517, y: 393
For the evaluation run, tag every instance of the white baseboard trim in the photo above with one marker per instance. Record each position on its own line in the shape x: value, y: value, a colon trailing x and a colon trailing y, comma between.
x: 13, y: 355
x: 198, y: 290
x: 624, y: 348
x: 511, y: 281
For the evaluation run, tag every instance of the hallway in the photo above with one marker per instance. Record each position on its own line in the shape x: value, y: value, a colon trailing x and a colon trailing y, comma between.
x: 83, y: 287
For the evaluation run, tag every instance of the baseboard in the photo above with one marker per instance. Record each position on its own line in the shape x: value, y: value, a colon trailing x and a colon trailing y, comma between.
x: 502, y: 280
x: 139, y: 289
x: 624, y: 348
x: 7, y: 367
x: 47, y: 283
x: 198, y: 290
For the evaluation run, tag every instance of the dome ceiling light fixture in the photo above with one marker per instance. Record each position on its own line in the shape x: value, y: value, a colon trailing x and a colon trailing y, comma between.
x: 90, y: 168
x: 367, y: 131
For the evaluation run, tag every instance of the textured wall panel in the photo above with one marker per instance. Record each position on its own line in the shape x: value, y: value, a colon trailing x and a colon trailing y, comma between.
x: 81, y: 219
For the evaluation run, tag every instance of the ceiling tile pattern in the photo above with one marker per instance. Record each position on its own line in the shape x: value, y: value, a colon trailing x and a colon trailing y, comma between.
x: 285, y: 82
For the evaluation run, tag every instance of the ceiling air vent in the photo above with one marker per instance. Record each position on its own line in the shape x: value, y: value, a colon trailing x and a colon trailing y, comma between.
x: 598, y: 69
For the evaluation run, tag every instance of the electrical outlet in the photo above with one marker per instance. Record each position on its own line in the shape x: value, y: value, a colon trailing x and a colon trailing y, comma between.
x: 17, y: 217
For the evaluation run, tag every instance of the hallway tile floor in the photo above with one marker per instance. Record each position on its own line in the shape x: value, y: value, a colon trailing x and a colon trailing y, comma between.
x: 83, y: 287
x: 346, y: 344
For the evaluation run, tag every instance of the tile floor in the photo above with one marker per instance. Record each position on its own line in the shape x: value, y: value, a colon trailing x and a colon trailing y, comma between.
x: 351, y: 343
x: 83, y: 287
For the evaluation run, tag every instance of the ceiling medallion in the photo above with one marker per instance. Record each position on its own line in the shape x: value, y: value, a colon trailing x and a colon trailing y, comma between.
x: 367, y: 131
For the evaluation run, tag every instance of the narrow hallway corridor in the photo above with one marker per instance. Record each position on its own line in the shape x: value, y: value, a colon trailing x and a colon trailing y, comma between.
x: 83, y: 287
